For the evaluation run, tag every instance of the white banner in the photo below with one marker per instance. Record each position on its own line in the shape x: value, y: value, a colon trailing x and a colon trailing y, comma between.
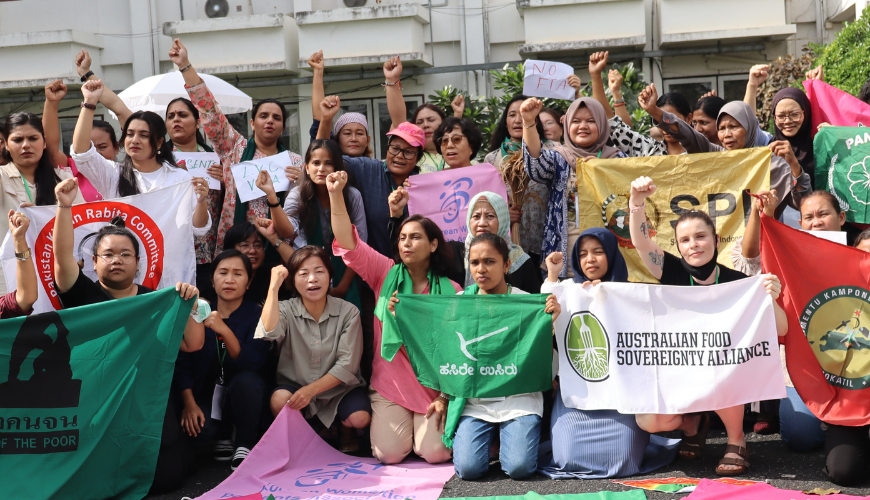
x: 639, y: 348
x: 160, y: 219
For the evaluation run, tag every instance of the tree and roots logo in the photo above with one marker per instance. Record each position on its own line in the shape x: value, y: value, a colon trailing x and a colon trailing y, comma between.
x: 836, y: 324
x: 588, y: 347
x: 859, y: 181
x: 615, y: 214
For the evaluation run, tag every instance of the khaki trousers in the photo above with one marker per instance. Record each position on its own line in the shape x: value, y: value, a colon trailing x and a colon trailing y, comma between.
x: 396, y: 431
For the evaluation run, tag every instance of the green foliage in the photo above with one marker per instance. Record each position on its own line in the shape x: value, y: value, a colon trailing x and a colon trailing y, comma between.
x: 788, y: 71
x: 508, y: 82
x: 846, y: 60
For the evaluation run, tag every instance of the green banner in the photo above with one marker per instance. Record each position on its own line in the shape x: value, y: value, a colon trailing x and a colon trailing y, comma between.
x: 83, y: 394
x: 478, y: 346
x: 843, y: 167
x: 601, y: 495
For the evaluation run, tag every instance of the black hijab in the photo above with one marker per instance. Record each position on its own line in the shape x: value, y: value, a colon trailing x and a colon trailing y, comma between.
x: 802, y: 142
x: 616, y: 267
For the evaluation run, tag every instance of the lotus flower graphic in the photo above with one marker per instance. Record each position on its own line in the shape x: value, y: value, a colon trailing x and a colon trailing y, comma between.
x: 859, y: 177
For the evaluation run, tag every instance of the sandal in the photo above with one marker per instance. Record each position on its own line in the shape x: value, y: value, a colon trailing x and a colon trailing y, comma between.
x: 742, y: 461
x: 692, y: 447
x: 349, y: 441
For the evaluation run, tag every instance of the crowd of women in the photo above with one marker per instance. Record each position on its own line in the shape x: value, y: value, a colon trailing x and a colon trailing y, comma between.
x: 300, y: 282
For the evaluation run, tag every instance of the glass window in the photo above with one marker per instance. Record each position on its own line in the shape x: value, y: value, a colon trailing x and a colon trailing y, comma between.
x: 384, y: 121
x: 290, y: 138
x: 691, y: 90
x: 240, y: 122
x: 733, y: 90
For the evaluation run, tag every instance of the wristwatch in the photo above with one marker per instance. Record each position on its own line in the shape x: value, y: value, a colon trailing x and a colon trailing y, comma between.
x: 278, y: 243
x: 23, y: 255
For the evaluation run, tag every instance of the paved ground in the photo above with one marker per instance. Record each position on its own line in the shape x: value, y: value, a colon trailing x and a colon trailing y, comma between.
x: 770, y: 459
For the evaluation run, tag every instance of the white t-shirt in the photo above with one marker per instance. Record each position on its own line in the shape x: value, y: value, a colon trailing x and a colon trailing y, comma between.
x: 496, y: 410
x: 104, y: 175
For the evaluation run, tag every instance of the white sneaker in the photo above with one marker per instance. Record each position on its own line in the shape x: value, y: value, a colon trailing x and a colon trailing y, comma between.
x: 240, y: 455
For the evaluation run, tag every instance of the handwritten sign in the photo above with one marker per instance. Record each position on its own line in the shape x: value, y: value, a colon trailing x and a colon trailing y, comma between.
x: 197, y: 163
x: 548, y: 79
x: 443, y: 196
x: 245, y: 175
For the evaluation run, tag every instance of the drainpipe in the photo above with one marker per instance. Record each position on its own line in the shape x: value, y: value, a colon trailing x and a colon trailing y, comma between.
x: 463, y: 53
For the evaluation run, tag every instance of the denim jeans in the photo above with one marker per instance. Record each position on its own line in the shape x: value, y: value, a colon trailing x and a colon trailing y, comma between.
x: 799, y: 428
x: 518, y: 450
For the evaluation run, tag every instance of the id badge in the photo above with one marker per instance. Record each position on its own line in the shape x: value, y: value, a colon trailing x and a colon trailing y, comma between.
x: 217, y: 400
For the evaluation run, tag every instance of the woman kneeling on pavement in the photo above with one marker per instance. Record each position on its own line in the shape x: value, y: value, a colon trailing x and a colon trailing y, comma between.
x: 517, y: 418
x: 320, y: 342
x: 591, y: 444
x: 405, y: 415
x: 697, y: 242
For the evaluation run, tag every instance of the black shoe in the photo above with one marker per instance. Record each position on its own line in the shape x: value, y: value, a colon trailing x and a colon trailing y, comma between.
x: 240, y: 455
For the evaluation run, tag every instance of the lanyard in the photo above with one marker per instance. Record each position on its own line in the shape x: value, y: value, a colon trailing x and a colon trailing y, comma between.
x: 439, y: 166
x: 221, y: 357
x: 692, y: 279
x: 599, y: 153
x: 25, y: 187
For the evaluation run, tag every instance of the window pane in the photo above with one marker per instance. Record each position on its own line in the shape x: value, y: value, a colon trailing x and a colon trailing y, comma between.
x: 734, y: 90
x: 239, y: 121
x: 385, y: 122
x: 692, y: 91
x: 290, y: 138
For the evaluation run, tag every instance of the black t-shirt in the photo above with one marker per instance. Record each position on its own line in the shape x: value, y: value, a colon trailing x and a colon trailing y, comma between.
x: 85, y: 292
x: 674, y: 274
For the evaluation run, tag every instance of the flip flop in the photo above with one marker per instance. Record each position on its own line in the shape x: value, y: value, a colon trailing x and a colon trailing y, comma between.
x: 693, y: 446
x: 742, y: 461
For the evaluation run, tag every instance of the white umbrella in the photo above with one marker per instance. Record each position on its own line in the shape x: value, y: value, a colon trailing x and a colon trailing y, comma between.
x: 155, y: 92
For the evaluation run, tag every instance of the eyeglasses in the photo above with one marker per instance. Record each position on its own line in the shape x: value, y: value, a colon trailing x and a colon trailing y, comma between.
x: 409, y: 154
x: 244, y: 247
x: 456, y: 139
x: 124, y: 257
x: 793, y: 116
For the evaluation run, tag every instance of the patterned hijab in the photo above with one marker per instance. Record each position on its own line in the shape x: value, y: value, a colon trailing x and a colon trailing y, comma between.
x: 570, y: 151
x: 517, y: 255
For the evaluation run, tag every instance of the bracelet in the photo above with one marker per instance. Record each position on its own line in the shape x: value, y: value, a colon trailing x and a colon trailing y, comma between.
x: 530, y: 126
x: 397, y: 83
x: 86, y: 76
x: 182, y: 70
x: 64, y: 206
x: 618, y: 104
x: 338, y: 213
x: 88, y: 105
x: 632, y: 209
x: 276, y: 205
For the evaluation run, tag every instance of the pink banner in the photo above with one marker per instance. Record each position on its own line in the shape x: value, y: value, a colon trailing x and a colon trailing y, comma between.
x: 292, y: 462
x: 443, y: 196
x: 836, y: 107
x: 714, y: 490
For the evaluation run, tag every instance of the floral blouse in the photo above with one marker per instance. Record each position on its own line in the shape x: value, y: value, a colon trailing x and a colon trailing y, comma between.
x: 552, y: 170
x: 534, y: 207
x: 229, y: 145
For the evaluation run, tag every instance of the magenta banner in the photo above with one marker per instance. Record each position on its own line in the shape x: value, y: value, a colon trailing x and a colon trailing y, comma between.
x: 292, y: 462
x: 715, y: 490
x: 836, y: 107
x: 443, y: 196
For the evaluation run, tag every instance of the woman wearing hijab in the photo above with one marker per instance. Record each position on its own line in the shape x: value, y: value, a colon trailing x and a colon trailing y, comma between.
x: 697, y: 264
x: 792, y: 122
x: 586, y: 134
x: 737, y: 129
x: 597, y: 444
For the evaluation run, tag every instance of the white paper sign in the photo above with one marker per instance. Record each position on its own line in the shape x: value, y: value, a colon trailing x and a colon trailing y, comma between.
x: 245, y: 175
x: 197, y: 163
x: 548, y: 79
x: 835, y: 236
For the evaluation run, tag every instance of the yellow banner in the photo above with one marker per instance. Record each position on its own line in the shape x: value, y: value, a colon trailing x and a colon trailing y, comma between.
x: 715, y: 183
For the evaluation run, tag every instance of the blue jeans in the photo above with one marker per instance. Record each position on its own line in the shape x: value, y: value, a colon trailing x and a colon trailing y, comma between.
x: 799, y: 428
x: 519, y: 446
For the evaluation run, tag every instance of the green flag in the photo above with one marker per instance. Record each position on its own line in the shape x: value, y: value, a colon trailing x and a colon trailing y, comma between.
x: 83, y: 394
x: 476, y: 346
x: 601, y: 495
x: 843, y: 167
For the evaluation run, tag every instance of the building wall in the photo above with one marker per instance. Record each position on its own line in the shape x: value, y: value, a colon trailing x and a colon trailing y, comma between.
x: 268, y: 41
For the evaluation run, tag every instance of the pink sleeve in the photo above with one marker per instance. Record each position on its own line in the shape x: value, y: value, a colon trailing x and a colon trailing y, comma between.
x: 368, y: 263
x: 215, y: 125
x: 456, y: 286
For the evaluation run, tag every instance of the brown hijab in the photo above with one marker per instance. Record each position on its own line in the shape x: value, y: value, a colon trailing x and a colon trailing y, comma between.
x: 570, y: 151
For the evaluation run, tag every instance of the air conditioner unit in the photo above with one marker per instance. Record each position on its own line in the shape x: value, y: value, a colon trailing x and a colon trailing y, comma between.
x: 354, y: 3
x: 224, y: 8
